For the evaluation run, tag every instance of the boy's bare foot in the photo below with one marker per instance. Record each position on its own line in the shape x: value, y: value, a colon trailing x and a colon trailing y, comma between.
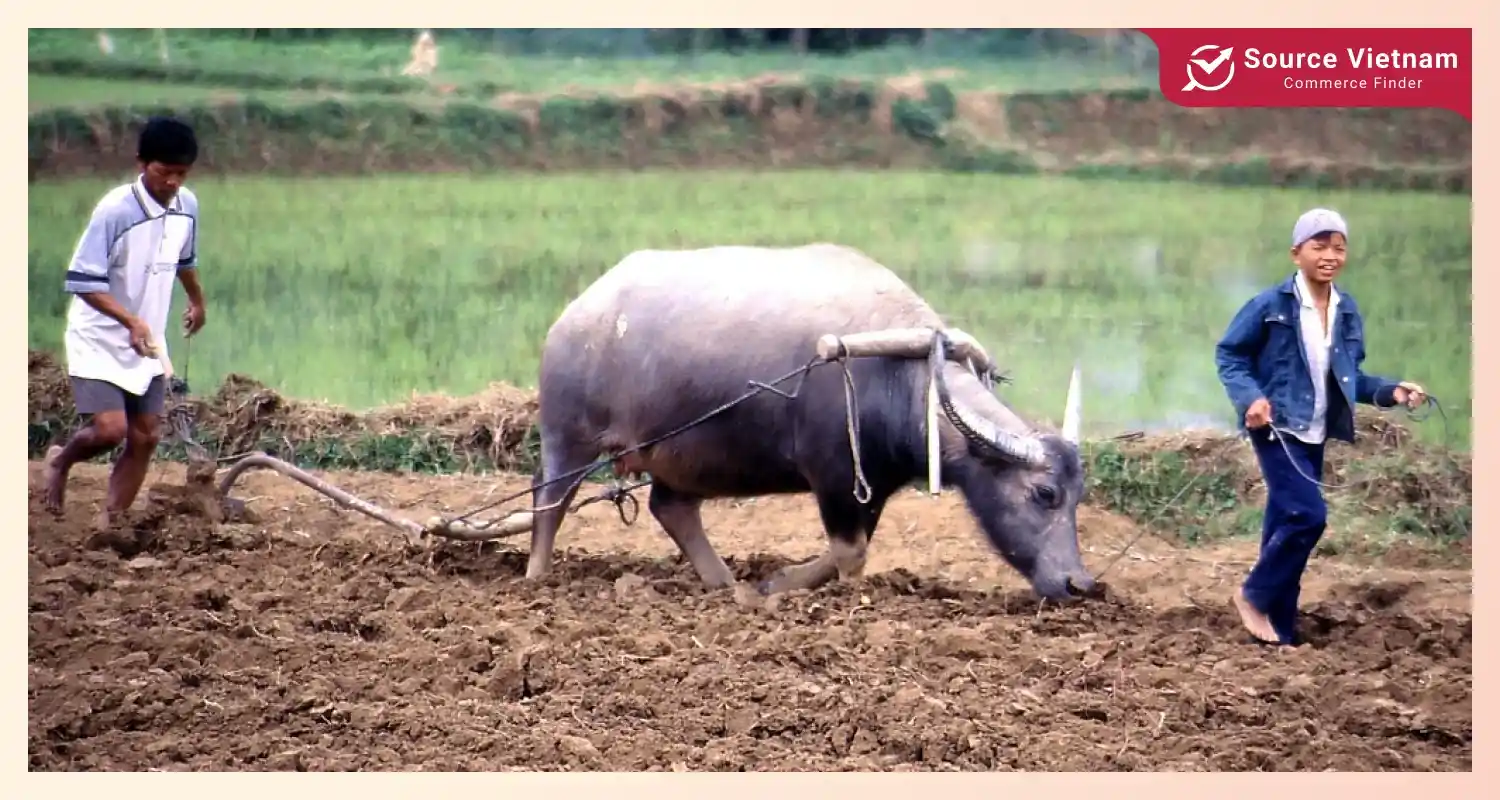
x: 1257, y: 623
x: 103, y: 520
x: 57, y: 482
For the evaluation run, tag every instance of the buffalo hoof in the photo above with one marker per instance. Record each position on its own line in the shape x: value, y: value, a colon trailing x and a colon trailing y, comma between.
x: 750, y: 595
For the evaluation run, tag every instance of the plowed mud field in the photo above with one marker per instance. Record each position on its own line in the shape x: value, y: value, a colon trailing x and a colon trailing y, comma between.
x: 314, y: 639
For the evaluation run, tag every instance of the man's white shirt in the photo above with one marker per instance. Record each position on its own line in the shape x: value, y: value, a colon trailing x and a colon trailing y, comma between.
x: 131, y: 248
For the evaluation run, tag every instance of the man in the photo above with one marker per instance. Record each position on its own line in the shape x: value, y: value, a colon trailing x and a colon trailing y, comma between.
x: 1290, y: 362
x: 140, y: 236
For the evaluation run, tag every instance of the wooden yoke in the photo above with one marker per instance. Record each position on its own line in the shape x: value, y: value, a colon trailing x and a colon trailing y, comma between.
x: 903, y: 343
x: 912, y: 343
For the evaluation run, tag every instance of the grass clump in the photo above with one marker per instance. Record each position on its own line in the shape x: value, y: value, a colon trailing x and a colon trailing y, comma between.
x: 1162, y: 488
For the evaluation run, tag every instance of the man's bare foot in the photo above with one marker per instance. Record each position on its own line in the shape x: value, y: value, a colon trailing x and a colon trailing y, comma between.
x: 57, y: 482
x: 1257, y: 623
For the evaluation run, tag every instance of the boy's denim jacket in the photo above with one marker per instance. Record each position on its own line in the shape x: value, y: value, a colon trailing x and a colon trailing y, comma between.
x: 1261, y: 355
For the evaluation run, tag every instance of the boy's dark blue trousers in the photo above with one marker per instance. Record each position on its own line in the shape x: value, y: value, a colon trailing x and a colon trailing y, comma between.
x: 1295, y: 519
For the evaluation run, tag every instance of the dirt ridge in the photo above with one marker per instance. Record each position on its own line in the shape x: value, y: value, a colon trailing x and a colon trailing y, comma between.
x: 1388, y: 476
x: 787, y: 121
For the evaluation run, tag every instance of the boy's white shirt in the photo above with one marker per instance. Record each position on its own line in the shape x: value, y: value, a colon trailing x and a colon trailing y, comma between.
x: 132, y: 248
x: 1316, y: 342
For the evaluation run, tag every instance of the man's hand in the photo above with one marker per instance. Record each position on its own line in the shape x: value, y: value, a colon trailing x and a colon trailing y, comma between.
x: 1410, y: 394
x: 193, y: 318
x: 140, y: 337
x: 1258, y: 415
x: 141, y: 340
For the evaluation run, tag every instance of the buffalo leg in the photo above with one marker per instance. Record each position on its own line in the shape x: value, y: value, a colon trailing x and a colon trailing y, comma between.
x: 557, y: 459
x: 682, y: 518
x: 808, y: 575
x: 849, y: 528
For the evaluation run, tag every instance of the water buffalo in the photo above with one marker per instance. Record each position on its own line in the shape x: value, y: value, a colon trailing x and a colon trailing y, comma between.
x: 665, y: 336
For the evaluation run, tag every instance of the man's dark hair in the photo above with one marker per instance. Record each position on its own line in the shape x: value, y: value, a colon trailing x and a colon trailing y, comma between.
x: 169, y: 141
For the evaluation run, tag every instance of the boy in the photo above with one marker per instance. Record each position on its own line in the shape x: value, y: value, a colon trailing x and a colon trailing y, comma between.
x: 140, y: 235
x: 1290, y: 363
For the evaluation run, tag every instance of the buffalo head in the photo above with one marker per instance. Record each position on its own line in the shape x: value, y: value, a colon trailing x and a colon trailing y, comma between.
x: 1023, y: 486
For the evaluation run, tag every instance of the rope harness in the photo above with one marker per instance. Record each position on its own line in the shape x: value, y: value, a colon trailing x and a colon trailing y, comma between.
x: 1279, y: 434
x: 618, y: 494
x: 181, y: 419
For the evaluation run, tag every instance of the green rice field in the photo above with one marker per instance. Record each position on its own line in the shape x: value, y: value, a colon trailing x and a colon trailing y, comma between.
x: 464, y: 61
x: 51, y: 91
x: 363, y: 290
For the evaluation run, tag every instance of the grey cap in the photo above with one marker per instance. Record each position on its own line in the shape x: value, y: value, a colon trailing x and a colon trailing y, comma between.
x: 1316, y: 221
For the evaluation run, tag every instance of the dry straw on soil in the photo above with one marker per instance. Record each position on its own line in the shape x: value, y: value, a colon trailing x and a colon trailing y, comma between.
x: 245, y: 414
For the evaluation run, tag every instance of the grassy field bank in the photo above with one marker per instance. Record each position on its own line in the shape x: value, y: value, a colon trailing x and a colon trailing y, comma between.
x: 468, y: 68
x: 45, y: 91
x: 362, y: 291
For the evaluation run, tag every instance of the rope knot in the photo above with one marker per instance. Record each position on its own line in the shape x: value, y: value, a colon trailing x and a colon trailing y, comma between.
x: 620, y: 495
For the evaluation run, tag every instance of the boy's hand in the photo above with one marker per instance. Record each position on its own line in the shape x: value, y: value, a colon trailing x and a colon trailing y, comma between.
x: 1410, y: 394
x: 1258, y: 415
x: 193, y: 318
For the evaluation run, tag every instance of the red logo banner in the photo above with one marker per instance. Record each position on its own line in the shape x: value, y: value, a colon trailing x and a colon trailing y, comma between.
x: 1328, y: 67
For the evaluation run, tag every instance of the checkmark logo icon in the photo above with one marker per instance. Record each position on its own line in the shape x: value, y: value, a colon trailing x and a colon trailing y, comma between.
x: 1208, y: 66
